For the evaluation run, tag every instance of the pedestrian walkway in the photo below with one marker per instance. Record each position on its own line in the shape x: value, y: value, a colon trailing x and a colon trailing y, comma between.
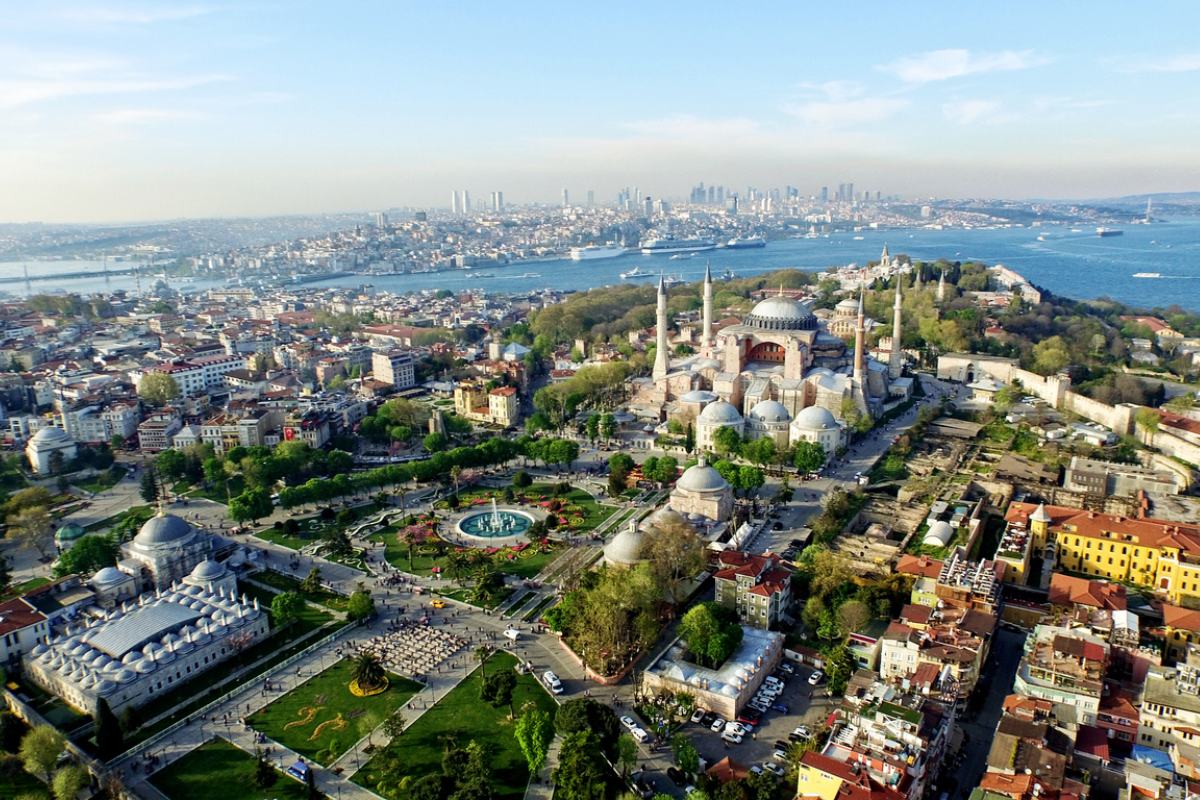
x: 543, y: 788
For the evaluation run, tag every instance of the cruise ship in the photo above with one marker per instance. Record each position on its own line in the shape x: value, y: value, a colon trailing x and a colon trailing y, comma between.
x: 669, y: 244
x: 740, y: 242
x: 1103, y: 232
x: 593, y: 251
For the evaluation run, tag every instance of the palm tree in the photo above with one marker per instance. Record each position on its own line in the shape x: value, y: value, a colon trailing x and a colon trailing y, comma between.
x: 368, y: 672
x: 456, y: 565
x: 455, y: 474
x: 486, y: 579
x: 482, y: 652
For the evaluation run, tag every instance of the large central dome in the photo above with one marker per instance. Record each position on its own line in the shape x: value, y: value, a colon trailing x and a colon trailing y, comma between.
x: 163, y: 530
x: 781, y: 313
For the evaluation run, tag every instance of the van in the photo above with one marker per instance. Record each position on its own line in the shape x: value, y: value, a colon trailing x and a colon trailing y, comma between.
x: 640, y: 734
x: 552, y: 682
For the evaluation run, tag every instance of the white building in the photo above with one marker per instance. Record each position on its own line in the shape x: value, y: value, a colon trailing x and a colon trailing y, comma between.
x: 44, y: 444
x: 165, y: 549
x: 395, y: 367
x: 197, y: 376
x: 816, y: 424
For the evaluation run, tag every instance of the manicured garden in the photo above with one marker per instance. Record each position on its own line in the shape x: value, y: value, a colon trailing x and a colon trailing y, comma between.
x: 125, y: 524
x: 286, y: 583
x: 463, y: 717
x: 578, y: 511
x: 321, y: 719
x: 219, y: 771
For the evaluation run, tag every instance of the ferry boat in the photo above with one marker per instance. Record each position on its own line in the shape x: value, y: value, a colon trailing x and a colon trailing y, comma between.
x: 636, y: 272
x: 1147, y: 274
x: 1105, y: 232
x: 740, y: 242
x: 480, y: 275
x: 669, y: 244
x: 594, y: 251
x: 673, y: 280
x: 529, y: 275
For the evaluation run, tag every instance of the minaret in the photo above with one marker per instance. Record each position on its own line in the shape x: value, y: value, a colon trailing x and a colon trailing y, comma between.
x: 941, y: 292
x: 885, y: 260
x: 860, y: 332
x: 895, y: 365
x: 706, y: 340
x: 660, y: 352
x: 918, y: 284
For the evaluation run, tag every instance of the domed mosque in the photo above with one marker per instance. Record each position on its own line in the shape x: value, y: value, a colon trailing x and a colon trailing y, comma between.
x: 764, y: 370
x: 166, y: 549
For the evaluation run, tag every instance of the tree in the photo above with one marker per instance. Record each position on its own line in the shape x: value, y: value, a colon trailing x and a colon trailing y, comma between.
x: 1050, y: 355
x: 360, y: 606
x: 686, y: 755
x: 264, y: 774
x: 68, y: 781
x: 5, y: 574
x: 31, y: 527
x: 760, y: 451
x: 627, y: 754
x: 312, y: 581
x: 808, y: 456
x: 251, y: 505
x: 158, y: 388
x: 109, y: 738
x: 40, y: 750
x: 711, y: 632
x: 839, y: 666
x: 581, y: 769
x: 674, y: 554
x: 608, y: 425
x: 689, y: 439
x: 286, y: 608
x: 88, y: 554
x: 498, y: 687
x: 435, y: 442
x: 1147, y: 419
x: 853, y: 615
x: 11, y: 730
x: 533, y: 733
x: 483, y: 652
x: 394, y: 725
x: 592, y: 426
x: 521, y: 479
x: 586, y: 715
x: 367, y: 671
x: 171, y: 464
x: 726, y: 441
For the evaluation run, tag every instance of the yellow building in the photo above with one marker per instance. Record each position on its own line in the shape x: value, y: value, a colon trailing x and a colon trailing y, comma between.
x: 500, y: 406
x: 1158, y: 554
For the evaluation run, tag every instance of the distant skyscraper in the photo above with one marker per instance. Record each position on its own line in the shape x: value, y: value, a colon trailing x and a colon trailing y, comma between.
x: 454, y: 202
x: 566, y: 199
x: 591, y: 198
x: 380, y: 219
x: 849, y: 192
x: 648, y: 206
x: 497, y: 201
x: 824, y: 194
x: 466, y: 202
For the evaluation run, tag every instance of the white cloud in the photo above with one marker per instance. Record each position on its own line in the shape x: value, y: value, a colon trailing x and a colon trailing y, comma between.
x: 940, y: 65
x: 131, y: 15
x: 967, y: 112
x: 138, y: 116
x: 14, y: 93
x: 1184, y: 62
x: 690, y: 127
x: 841, y: 104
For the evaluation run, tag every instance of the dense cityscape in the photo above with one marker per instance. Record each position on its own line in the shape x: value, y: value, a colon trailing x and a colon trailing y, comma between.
x: 613, y: 411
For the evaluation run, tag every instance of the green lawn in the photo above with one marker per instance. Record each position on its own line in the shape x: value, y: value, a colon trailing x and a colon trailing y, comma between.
x: 312, y: 529
x: 536, y: 611
x: 218, y: 493
x: 286, y: 583
x: 461, y: 715
x: 396, y: 553
x: 219, y: 771
x: 21, y: 784
x: 321, y: 719
x: 128, y: 521
x: 18, y: 589
x: 593, y: 512
x: 100, y: 482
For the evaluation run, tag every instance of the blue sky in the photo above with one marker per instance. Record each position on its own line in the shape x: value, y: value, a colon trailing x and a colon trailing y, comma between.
x: 139, y: 110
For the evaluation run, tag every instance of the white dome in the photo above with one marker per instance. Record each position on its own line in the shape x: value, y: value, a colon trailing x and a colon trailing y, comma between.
x: 720, y: 413
x: 770, y: 411
x: 625, y: 549
x: 702, y: 478
x: 939, y: 534
x: 51, y: 436
x: 781, y: 313
x: 815, y: 418
x: 162, y: 529
x: 108, y: 576
x: 208, y: 570
x: 848, y: 305
x: 698, y: 396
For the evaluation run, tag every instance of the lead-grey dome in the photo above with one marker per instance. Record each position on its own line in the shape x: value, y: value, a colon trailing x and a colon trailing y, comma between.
x: 698, y: 396
x: 162, y: 529
x: 815, y: 418
x: 701, y: 478
x: 625, y: 549
x: 107, y: 576
x: 720, y: 413
x: 208, y: 570
x: 51, y: 436
x: 769, y: 411
x: 781, y: 313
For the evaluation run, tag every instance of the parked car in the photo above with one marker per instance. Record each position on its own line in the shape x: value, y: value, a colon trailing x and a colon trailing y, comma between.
x: 707, y: 719
x: 628, y: 722
x: 815, y: 678
x: 640, y: 734
x: 677, y: 776
x: 756, y: 769
x: 782, y: 708
x: 803, y: 731
x: 775, y: 768
x: 718, y: 725
x: 698, y: 715
x: 736, y: 727
x: 642, y: 788
x: 750, y: 716
x: 732, y: 738
x: 788, y: 668
x: 779, y: 755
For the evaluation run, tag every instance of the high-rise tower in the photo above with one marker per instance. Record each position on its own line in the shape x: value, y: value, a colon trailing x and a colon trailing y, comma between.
x: 706, y: 341
x: 660, y: 351
x: 895, y: 365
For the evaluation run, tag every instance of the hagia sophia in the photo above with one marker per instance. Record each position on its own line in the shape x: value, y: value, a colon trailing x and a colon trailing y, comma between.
x: 780, y: 372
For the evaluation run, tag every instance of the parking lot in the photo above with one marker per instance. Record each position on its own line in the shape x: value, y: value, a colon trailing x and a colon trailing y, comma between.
x: 758, y: 745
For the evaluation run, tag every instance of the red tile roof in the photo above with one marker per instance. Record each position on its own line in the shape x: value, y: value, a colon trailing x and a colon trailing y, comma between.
x: 920, y: 566
x: 1067, y: 590
x: 1182, y: 618
x: 17, y: 614
x: 1146, y: 532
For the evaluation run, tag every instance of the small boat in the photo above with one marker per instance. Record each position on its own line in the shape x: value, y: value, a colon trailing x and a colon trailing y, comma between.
x: 673, y: 280
x: 727, y: 275
x: 858, y: 238
x: 1147, y: 274
x: 529, y: 275
x: 636, y: 272
x: 1042, y: 238
x: 480, y: 275
x: 1106, y: 232
x: 682, y: 256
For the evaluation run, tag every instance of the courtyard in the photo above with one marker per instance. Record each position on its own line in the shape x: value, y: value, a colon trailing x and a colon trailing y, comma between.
x: 321, y: 719
x: 463, y: 717
x: 219, y: 771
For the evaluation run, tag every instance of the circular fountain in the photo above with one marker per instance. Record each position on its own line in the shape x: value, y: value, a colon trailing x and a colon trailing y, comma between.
x: 497, y: 523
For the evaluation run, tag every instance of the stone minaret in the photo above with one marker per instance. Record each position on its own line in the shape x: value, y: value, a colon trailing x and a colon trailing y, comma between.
x: 860, y: 331
x: 941, y: 292
x: 661, y: 362
x: 895, y: 365
x: 706, y: 341
x: 885, y: 260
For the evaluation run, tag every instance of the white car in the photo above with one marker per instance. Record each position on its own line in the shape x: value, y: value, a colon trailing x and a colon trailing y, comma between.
x: 756, y: 769
x: 552, y: 682
x: 779, y: 755
x: 718, y: 725
x: 775, y: 768
x: 628, y: 722
x: 802, y: 731
x: 639, y: 734
x: 815, y: 678
x: 698, y: 715
x: 735, y: 727
x: 732, y: 738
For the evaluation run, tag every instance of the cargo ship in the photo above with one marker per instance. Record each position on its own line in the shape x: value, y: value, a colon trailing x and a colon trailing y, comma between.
x: 1106, y: 232
x: 742, y: 242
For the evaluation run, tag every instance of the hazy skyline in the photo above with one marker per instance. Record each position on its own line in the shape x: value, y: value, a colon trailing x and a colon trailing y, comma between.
x: 154, y: 110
